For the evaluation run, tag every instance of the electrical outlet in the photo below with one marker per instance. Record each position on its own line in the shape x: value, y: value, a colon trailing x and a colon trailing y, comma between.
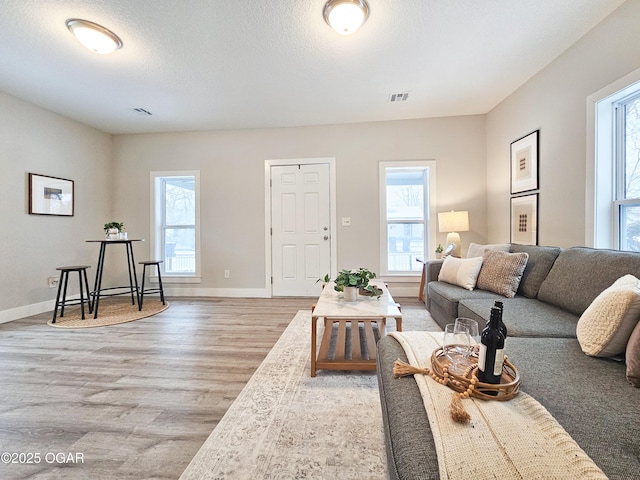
x: 227, y: 274
x: 53, y: 282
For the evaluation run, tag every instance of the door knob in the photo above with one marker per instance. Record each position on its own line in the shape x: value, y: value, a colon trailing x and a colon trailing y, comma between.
x: 326, y: 237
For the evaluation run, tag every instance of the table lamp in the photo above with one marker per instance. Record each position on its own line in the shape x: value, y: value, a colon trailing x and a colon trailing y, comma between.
x: 452, y: 223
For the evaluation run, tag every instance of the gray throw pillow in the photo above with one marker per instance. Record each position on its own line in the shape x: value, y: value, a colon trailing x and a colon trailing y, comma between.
x: 501, y: 272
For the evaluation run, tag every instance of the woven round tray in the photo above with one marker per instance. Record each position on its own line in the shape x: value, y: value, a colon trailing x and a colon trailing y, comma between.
x: 505, y: 390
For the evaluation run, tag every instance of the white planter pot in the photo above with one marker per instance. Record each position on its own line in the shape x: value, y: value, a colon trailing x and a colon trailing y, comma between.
x: 350, y: 294
x: 113, y: 234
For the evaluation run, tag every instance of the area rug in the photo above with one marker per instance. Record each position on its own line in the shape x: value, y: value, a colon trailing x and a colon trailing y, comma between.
x: 110, y: 312
x: 285, y: 424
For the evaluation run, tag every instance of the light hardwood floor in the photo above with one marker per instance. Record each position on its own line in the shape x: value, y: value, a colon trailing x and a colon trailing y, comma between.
x: 132, y: 401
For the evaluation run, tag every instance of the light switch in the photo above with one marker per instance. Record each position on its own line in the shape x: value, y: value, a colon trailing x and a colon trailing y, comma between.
x: 346, y: 221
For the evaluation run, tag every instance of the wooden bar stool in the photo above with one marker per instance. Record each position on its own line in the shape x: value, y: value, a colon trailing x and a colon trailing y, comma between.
x: 159, y: 290
x: 64, y: 279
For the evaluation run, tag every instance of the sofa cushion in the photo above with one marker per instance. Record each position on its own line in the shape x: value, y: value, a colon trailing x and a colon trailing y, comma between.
x: 477, y: 250
x: 523, y: 317
x: 447, y: 296
x: 579, y: 274
x: 460, y: 271
x: 606, y: 325
x: 501, y: 272
x: 587, y: 395
x: 633, y: 357
x: 540, y: 261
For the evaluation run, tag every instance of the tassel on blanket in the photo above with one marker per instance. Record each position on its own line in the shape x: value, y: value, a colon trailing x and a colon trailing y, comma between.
x: 403, y: 369
x: 458, y: 413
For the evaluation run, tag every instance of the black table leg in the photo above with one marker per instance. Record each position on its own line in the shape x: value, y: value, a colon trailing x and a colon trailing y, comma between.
x: 129, y: 259
x: 86, y: 286
x: 98, y: 282
x: 133, y: 277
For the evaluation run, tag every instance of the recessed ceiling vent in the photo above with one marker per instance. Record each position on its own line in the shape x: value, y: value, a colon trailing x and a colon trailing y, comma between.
x: 143, y: 112
x: 398, y: 97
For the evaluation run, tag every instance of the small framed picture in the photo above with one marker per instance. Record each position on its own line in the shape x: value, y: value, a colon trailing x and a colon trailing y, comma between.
x: 50, y: 195
x: 524, y: 163
x: 524, y: 219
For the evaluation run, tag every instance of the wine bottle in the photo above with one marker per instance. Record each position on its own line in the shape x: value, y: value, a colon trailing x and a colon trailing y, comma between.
x: 491, y: 354
x: 503, y: 327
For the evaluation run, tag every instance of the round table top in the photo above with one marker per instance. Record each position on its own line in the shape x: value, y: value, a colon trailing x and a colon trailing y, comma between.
x: 117, y: 240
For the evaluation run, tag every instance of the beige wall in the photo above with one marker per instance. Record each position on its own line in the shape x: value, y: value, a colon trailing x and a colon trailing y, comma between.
x: 231, y: 165
x: 38, y: 141
x: 554, y: 101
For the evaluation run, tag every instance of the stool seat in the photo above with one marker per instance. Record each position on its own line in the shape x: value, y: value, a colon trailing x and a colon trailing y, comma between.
x: 159, y: 289
x: 61, y: 301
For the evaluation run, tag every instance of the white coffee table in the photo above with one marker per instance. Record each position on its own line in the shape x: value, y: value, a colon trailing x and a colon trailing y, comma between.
x: 366, y: 311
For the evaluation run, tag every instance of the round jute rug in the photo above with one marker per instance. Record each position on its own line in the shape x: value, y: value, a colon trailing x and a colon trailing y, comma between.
x: 110, y: 313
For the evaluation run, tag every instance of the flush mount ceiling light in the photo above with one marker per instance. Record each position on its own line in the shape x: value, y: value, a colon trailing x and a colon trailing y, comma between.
x: 93, y: 36
x: 346, y: 16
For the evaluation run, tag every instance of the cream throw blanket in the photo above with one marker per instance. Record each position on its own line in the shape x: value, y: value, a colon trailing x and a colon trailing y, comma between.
x: 505, y: 440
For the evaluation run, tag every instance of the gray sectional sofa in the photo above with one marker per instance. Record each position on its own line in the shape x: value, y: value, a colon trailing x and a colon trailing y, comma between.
x: 590, y: 397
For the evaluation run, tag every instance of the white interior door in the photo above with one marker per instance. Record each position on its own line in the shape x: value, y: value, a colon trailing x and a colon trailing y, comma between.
x: 300, y: 220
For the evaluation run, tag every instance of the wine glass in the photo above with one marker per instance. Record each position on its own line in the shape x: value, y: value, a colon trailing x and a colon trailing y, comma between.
x: 472, y: 327
x: 455, y: 345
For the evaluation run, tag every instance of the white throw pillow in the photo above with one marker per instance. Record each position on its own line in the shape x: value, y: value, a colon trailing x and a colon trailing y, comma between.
x: 461, y: 271
x: 477, y: 250
x: 606, y: 325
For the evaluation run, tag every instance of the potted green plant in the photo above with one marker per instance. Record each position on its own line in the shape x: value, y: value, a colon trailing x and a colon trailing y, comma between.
x: 113, y: 229
x: 439, y: 251
x: 350, y: 281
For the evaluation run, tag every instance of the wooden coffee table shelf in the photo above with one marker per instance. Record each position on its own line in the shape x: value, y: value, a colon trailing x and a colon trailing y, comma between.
x: 346, y: 353
x: 367, y: 317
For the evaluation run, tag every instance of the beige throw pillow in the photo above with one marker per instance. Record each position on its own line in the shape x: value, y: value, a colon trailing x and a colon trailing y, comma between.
x: 461, y: 272
x: 606, y: 325
x: 476, y: 250
x: 501, y: 272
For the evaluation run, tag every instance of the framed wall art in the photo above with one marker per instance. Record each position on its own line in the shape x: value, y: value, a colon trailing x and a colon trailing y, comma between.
x: 524, y: 219
x: 524, y: 163
x: 50, y: 195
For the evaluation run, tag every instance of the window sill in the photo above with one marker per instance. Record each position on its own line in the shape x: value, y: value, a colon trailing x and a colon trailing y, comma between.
x: 402, y: 277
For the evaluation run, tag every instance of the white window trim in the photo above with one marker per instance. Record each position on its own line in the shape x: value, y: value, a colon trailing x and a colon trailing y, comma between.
x: 430, y: 235
x: 600, y: 186
x: 154, y: 240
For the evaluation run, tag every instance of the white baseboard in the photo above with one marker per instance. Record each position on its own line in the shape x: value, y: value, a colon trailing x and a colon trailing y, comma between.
x: 26, y: 311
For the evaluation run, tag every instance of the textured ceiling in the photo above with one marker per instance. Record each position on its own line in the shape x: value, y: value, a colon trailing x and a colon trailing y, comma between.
x: 222, y: 64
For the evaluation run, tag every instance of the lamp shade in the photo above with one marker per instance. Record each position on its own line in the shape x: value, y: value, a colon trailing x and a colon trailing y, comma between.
x: 453, y: 221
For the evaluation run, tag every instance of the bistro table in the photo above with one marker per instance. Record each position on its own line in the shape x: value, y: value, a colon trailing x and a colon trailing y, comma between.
x: 133, y: 278
x: 353, y: 348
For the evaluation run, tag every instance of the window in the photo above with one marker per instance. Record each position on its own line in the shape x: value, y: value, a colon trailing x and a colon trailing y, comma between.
x: 627, y: 201
x: 406, y: 200
x: 175, y: 229
x: 613, y: 180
